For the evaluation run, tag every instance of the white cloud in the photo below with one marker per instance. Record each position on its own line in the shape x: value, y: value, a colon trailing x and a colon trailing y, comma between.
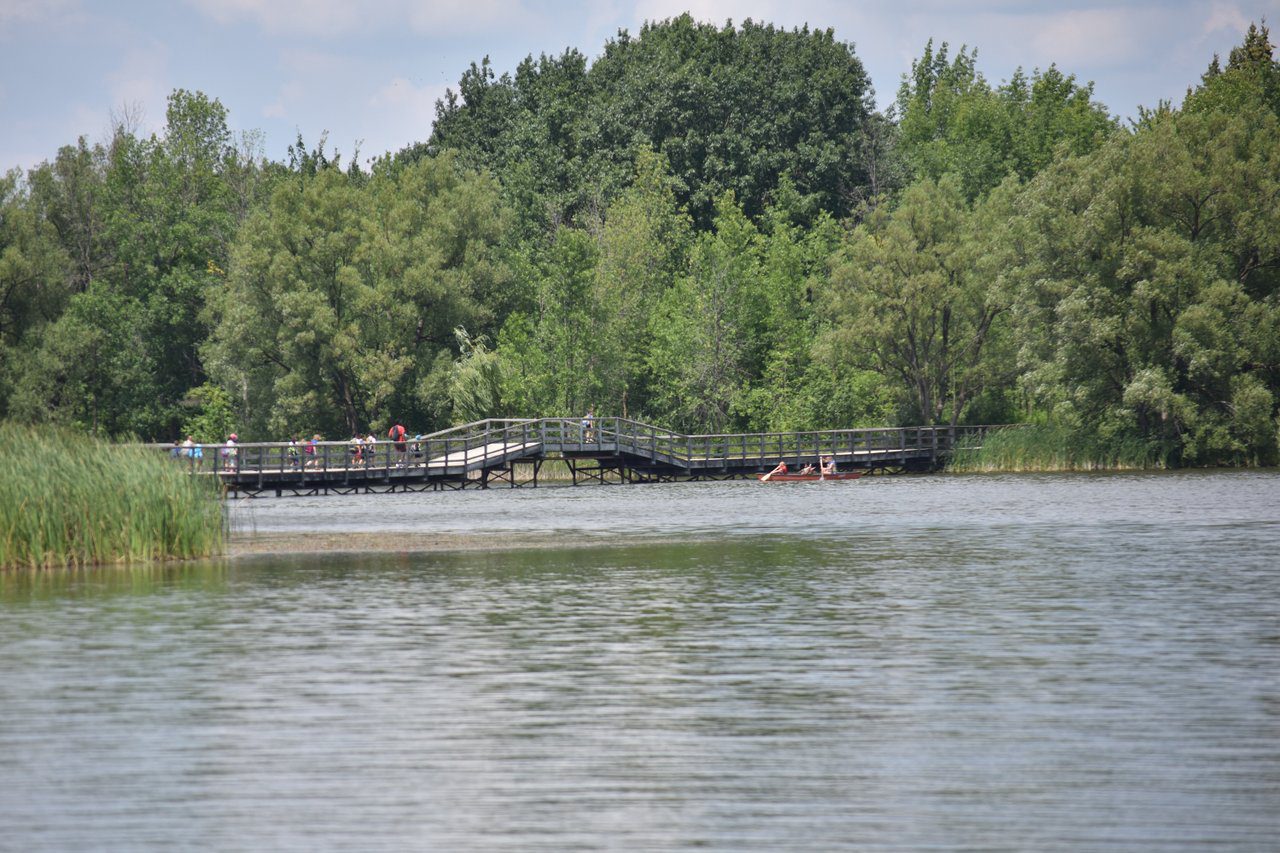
x: 42, y: 12
x: 1094, y: 37
x: 337, y: 18
x: 317, y: 64
x: 327, y: 18
x: 320, y: 70
x: 288, y: 97
x: 469, y: 17
x: 602, y: 16
x: 402, y: 97
x: 1225, y: 16
x: 400, y: 113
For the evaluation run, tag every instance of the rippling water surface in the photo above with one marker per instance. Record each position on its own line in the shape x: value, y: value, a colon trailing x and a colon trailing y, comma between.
x: 1004, y: 663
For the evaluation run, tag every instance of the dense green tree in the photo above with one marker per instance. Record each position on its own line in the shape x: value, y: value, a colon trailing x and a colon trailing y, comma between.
x: 90, y: 369
x: 644, y: 242
x: 475, y: 385
x: 559, y: 356
x: 33, y: 266
x: 705, y: 328
x: 1148, y: 268
x: 69, y: 195
x: 211, y: 417
x: 1250, y: 82
x: 525, y: 128
x: 952, y: 121
x: 911, y: 299
x: 800, y: 385
x: 736, y: 109
x: 146, y: 225
x: 730, y: 108
x: 342, y: 297
x: 34, y: 271
x: 170, y: 219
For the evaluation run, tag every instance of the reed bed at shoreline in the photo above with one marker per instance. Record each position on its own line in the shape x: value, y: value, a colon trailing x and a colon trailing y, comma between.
x: 555, y: 470
x: 67, y: 499
x: 1050, y: 448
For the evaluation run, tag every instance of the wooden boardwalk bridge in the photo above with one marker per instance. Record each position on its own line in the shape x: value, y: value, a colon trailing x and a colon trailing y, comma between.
x: 613, y: 450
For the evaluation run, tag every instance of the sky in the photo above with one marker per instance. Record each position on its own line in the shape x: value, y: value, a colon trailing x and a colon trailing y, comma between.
x: 369, y: 73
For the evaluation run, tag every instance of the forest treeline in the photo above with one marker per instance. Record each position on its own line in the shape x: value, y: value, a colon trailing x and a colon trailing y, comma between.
x: 709, y: 228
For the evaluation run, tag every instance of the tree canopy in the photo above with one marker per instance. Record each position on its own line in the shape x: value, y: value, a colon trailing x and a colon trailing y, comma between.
x: 707, y: 227
x: 729, y: 108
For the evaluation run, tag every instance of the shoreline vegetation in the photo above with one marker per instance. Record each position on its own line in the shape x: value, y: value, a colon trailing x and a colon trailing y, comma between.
x: 1050, y: 448
x: 68, y: 500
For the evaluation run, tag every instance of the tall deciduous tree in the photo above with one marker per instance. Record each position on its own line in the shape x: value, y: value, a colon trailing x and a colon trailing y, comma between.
x: 644, y: 243
x: 951, y: 120
x: 34, y: 272
x: 342, y: 297
x: 730, y: 108
x: 705, y: 328
x: 1149, y: 268
x: 910, y: 300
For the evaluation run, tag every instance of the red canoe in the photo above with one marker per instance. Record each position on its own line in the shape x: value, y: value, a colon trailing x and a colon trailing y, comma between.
x: 790, y: 478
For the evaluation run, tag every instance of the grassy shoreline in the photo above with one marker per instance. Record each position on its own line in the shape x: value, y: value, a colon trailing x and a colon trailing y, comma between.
x: 67, y: 499
x: 1051, y: 448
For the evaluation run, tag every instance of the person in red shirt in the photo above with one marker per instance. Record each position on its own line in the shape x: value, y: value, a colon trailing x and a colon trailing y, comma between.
x: 397, y: 435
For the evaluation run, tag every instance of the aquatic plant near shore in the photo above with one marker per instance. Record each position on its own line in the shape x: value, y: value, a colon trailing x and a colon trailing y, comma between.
x: 1049, y: 447
x: 67, y: 499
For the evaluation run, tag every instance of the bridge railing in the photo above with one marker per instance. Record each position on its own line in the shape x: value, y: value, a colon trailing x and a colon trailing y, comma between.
x: 708, y: 450
x: 450, y: 448
x: 277, y: 457
x: 459, y: 448
x: 453, y: 447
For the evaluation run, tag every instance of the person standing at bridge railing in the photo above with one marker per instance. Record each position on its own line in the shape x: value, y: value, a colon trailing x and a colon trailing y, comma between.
x: 192, y: 451
x: 588, y: 425
x: 231, y: 454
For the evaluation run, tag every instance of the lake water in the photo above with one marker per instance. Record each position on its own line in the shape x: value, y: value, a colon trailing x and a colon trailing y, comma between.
x: 983, y: 662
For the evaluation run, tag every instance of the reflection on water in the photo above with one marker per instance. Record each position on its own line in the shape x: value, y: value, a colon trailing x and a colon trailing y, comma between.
x: 994, y: 663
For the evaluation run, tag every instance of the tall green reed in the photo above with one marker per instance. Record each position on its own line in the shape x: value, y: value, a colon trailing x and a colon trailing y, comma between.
x: 67, y: 499
x: 1051, y: 447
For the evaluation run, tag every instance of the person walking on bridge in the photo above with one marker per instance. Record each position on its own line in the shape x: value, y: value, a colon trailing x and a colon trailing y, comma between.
x: 397, y: 435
